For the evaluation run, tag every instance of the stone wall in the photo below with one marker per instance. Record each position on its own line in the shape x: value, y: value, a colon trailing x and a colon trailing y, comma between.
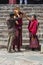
x: 29, y: 9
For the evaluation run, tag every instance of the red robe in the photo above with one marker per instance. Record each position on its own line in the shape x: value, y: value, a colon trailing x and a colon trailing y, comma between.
x: 12, y: 1
x: 33, y: 26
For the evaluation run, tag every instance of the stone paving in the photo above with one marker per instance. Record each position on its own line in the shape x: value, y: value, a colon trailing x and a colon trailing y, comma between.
x: 21, y: 58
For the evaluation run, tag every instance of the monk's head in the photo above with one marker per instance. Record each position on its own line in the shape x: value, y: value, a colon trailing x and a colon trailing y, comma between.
x: 33, y: 17
x: 11, y: 14
x: 16, y: 9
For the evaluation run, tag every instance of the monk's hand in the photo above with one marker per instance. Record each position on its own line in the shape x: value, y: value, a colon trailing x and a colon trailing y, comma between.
x: 17, y: 22
x: 18, y: 15
x: 14, y: 16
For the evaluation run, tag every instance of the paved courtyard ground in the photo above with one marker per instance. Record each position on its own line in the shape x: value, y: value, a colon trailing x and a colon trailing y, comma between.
x: 26, y: 57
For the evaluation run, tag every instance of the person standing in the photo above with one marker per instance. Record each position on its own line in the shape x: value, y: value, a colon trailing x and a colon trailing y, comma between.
x: 32, y: 28
x: 18, y: 28
x: 11, y: 30
x: 18, y: 35
x: 20, y: 14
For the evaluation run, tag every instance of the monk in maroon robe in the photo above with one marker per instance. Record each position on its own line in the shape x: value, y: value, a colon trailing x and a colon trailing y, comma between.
x: 18, y: 40
x: 33, y: 27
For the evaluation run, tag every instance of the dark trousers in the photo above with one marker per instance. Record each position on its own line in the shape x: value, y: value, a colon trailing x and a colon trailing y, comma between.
x: 18, y: 1
x: 23, y: 2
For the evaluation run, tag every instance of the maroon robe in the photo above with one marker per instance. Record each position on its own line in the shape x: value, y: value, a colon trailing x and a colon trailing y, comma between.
x: 34, y: 42
x: 18, y: 34
x: 20, y: 30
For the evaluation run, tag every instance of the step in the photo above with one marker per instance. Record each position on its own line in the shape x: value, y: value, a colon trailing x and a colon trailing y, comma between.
x: 26, y: 26
x: 4, y: 13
